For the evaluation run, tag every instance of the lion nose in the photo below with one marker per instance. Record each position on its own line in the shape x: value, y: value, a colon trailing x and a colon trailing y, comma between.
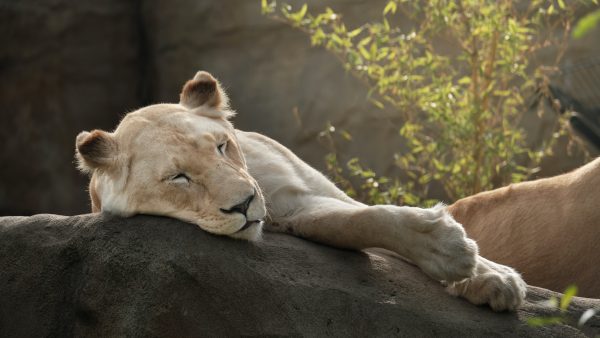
x: 242, y: 208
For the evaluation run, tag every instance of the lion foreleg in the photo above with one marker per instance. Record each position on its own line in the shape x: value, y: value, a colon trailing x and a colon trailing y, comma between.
x: 430, y: 238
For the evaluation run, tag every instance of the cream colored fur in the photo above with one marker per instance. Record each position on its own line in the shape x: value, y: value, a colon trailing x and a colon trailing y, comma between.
x: 549, y: 229
x: 168, y: 159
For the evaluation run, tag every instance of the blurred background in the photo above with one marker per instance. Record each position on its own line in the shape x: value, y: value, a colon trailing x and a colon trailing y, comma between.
x: 68, y: 66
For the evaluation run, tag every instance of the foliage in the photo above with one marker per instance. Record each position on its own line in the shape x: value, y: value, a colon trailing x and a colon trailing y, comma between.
x: 561, y: 307
x: 586, y: 24
x: 461, y: 110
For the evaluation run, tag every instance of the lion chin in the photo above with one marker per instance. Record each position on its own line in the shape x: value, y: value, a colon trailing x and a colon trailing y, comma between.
x: 252, y: 232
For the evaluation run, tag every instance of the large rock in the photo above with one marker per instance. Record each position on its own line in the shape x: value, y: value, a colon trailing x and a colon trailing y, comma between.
x: 95, y: 275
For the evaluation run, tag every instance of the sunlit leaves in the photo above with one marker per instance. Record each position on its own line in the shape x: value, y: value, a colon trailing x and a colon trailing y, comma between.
x: 561, y: 315
x: 267, y: 7
x: 586, y: 24
x: 544, y: 321
x: 461, y: 110
x: 570, y: 292
x: 390, y: 8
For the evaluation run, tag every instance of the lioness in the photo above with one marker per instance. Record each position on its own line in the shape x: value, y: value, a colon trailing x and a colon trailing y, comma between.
x: 188, y: 162
x: 549, y: 229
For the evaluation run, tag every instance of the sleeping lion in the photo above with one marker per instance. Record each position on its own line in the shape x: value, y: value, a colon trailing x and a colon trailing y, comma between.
x: 186, y: 161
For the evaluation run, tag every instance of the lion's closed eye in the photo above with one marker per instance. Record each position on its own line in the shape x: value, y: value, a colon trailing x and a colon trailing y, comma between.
x: 180, y: 178
x: 222, y: 147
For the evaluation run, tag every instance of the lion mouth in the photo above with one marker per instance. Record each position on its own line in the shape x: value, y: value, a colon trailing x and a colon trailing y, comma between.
x: 249, y: 224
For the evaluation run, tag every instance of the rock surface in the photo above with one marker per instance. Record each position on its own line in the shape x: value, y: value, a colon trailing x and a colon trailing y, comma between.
x: 95, y: 275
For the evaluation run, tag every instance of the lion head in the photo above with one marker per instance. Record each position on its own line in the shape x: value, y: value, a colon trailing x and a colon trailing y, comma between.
x: 178, y: 160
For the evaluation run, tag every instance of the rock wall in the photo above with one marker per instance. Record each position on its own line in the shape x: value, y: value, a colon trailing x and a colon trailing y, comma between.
x: 69, y: 66
x: 95, y: 275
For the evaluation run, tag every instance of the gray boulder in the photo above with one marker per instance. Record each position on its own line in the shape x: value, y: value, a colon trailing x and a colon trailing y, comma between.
x: 97, y: 275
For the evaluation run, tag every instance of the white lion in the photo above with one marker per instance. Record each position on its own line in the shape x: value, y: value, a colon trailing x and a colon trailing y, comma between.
x: 188, y: 162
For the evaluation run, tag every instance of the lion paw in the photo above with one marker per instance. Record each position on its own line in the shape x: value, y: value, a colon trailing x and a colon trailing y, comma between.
x: 497, y: 285
x: 443, y: 250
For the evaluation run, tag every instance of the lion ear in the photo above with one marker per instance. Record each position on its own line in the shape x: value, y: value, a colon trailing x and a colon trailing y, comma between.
x: 94, y: 150
x: 205, y: 96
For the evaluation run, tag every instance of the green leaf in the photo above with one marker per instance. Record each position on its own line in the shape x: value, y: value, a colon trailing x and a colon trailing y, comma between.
x: 355, y: 32
x: 516, y: 177
x: 335, y: 38
x: 365, y: 54
x: 586, y: 24
x: 296, y: 17
x: 501, y: 92
x: 266, y: 7
x: 438, y: 165
x: 373, y: 51
x: 544, y: 321
x: 318, y: 37
x: 390, y: 7
x: 561, y: 4
x: 302, y: 12
x: 377, y: 104
x: 346, y: 135
x: 386, y: 25
x: 570, y: 292
x: 464, y: 80
x: 425, y: 179
x: 364, y: 41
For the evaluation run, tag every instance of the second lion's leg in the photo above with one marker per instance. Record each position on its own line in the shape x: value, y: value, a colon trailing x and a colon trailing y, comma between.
x: 430, y: 238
